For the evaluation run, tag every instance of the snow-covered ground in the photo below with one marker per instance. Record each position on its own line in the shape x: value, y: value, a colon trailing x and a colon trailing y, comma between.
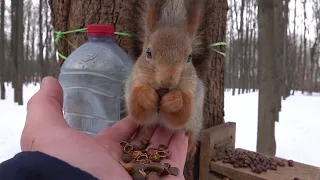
x: 12, y: 119
x: 297, y: 133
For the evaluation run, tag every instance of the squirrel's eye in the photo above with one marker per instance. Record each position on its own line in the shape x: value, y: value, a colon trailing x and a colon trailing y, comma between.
x: 149, y: 55
x: 189, y: 58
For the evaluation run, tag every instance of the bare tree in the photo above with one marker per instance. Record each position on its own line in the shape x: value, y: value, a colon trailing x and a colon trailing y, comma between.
x: 41, y: 46
x: 267, y: 111
x: 2, y: 56
x: 304, y: 63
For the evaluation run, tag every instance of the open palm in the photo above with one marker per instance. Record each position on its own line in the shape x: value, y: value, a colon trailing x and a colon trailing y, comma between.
x: 47, y: 131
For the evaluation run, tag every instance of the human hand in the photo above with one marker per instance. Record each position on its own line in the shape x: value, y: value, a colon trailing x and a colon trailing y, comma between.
x: 47, y: 131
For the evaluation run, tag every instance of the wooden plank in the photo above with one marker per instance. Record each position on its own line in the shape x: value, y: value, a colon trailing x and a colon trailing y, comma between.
x: 214, y: 136
x: 300, y: 170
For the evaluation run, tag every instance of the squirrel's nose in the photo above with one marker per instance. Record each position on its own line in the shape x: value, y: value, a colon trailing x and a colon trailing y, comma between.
x: 167, y: 77
x: 168, y: 82
x: 166, y: 85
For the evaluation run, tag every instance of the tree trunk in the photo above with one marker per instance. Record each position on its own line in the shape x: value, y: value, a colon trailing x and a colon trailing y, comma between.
x: 2, y: 56
x: 285, y: 62
x: 42, y: 69
x: 240, y: 48
x: 27, y: 59
x: 304, y: 76
x: 13, y: 74
x: 69, y: 15
x: 34, y: 68
x: 17, y: 37
x: 267, y: 107
x: 278, y: 52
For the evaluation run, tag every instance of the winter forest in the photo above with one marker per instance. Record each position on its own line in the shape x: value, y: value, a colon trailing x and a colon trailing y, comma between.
x: 28, y: 48
x: 268, y: 49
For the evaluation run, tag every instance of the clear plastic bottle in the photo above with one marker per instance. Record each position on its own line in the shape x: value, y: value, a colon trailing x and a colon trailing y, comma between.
x: 92, y: 78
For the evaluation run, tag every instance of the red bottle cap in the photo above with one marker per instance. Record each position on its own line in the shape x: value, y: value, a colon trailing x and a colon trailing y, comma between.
x: 100, y: 30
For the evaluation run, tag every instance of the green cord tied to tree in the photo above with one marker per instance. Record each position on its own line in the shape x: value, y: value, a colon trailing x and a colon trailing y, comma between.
x: 59, y: 36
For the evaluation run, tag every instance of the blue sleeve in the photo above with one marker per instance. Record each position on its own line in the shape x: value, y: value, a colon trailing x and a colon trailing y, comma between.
x: 40, y: 166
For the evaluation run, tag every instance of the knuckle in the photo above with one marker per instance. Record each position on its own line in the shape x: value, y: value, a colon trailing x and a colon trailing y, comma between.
x: 41, y: 100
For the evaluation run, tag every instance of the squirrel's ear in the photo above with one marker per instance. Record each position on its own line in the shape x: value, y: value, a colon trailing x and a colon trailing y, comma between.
x: 193, y: 16
x: 154, y: 14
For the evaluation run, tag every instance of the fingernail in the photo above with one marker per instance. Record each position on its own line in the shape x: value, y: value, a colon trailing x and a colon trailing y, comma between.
x: 43, y: 81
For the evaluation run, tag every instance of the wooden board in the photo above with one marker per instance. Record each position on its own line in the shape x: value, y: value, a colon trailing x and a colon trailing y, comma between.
x: 210, y: 138
x: 301, y: 171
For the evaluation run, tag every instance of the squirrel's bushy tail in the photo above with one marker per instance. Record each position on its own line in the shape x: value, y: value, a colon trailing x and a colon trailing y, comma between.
x: 148, y: 15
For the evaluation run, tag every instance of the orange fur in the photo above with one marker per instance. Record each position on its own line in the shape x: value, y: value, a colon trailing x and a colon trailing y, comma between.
x: 169, y: 32
x: 154, y: 13
x: 143, y: 103
x: 176, y: 108
x: 193, y: 16
x: 152, y: 19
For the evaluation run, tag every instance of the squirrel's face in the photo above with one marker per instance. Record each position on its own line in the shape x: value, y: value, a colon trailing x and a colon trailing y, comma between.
x: 169, y: 52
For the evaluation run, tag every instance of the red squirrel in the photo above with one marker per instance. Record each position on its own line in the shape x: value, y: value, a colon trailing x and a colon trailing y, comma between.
x: 166, y: 63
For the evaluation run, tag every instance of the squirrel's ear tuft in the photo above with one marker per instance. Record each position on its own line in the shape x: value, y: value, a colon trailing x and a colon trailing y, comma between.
x: 154, y: 8
x: 193, y: 15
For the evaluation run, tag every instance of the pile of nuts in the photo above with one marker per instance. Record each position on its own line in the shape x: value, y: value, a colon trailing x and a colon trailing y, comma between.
x: 246, y: 159
x: 144, y: 164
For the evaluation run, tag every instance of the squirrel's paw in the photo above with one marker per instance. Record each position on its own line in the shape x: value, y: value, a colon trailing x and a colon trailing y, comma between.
x: 176, y: 107
x: 192, y: 146
x: 172, y: 102
x: 143, y: 103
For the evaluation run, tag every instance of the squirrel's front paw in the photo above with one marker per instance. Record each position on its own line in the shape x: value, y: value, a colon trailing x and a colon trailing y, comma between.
x: 176, y: 107
x: 172, y: 102
x: 143, y: 103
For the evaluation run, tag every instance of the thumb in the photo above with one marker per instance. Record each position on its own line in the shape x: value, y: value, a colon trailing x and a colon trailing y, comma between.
x: 45, y: 107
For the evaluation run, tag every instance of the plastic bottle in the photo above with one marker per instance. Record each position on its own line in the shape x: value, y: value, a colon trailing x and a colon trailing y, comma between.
x: 92, y: 78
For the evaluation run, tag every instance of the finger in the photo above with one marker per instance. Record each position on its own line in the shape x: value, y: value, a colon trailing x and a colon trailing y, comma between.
x: 45, y: 107
x: 178, y: 147
x: 121, y: 131
x: 162, y: 135
x: 145, y: 132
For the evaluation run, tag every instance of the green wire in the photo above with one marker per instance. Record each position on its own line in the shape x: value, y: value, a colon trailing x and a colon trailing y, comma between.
x: 59, y: 35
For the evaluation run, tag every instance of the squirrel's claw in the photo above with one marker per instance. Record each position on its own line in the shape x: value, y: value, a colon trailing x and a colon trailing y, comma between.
x: 192, y: 145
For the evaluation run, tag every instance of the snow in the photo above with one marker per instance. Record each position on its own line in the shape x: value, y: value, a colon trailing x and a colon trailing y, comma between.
x: 296, y: 133
x: 12, y: 119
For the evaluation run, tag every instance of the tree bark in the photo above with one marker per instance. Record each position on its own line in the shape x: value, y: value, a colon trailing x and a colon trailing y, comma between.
x: 278, y: 52
x: 40, y: 44
x: 69, y: 15
x: 2, y: 56
x: 18, y: 45
x: 17, y: 48
x: 267, y: 107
